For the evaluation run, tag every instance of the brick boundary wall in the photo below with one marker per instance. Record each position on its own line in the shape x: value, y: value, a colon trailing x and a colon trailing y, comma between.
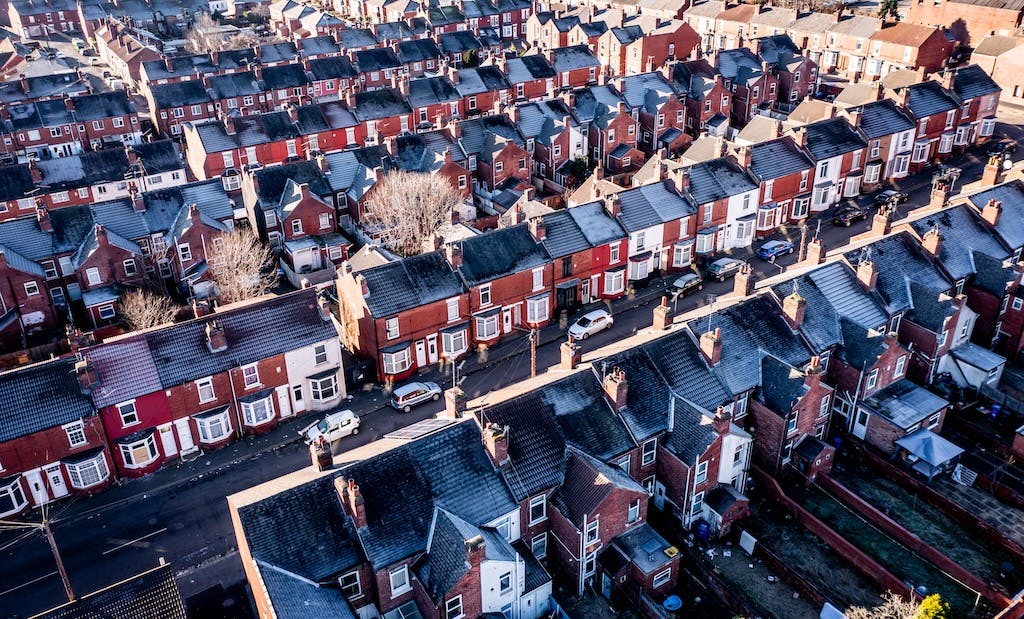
x: 911, y: 541
x: 959, y: 514
x: 860, y: 560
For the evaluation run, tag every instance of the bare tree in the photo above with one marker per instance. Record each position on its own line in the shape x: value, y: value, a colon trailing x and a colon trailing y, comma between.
x: 892, y: 607
x: 241, y: 266
x: 205, y: 35
x: 141, y: 309
x: 405, y: 208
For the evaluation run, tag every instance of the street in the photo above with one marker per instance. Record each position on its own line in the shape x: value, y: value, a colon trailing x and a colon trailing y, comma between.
x: 180, y: 514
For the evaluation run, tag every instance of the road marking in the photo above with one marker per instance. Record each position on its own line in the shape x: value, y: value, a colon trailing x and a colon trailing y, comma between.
x: 25, y: 584
x: 134, y: 541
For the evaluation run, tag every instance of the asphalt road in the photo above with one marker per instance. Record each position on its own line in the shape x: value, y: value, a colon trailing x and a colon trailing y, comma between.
x: 180, y: 514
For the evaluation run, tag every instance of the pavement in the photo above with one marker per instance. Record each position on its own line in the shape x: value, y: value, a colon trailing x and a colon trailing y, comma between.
x: 179, y: 512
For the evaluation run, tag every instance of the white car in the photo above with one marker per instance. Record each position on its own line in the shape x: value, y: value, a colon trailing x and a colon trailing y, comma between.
x: 591, y: 323
x: 332, y: 427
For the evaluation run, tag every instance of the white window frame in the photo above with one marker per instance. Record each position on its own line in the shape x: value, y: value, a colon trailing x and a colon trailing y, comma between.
x: 485, y: 295
x: 824, y: 407
x: 592, y: 535
x: 505, y: 583
x: 352, y: 595
x: 872, y: 379
x: 320, y: 355
x: 541, y: 541
x: 129, y: 449
x: 696, y: 504
x: 391, y: 328
x: 326, y: 388
x: 92, y: 276
x: 452, y: 306
x: 453, y: 608
x: 649, y: 452
x: 900, y: 368
x: 454, y: 343
x: 537, y: 309
x: 129, y: 413
x: 257, y: 413
x: 487, y: 327
x: 538, y: 279
x: 614, y: 281
x: 404, y: 585
x: 633, y: 512
x: 185, y: 252
x: 396, y: 362
x: 542, y: 502
x: 701, y: 474
x: 88, y: 473
x: 76, y: 433
x: 207, y: 424
x: 15, y: 490
x: 203, y: 384
x: 251, y: 376
x: 661, y: 578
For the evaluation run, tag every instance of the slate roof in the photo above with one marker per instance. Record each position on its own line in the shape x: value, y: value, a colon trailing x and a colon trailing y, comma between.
x: 543, y: 120
x: 20, y: 263
x: 153, y: 593
x: 481, y: 79
x: 491, y: 255
x: 270, y: 181
x: 695, y: 77
x: 831, y: 138
x: 718, y: 179
x: 380, y: 103
x: 125, y: 369
x: 418, y: 50
x: 1010, y: 226
x: 972, y: 81
x: 177, y: 94
x: 588, y: 483
x: 229, y: 85
x: 777, y: 49
x: 159, y: 156
x: 164, y: 205
x: 351, y: 38
x: 647, y: 90
x: 739, y: 65
x: 563, y: 235
x: 409, y: 283
x: 861, y: 346
x: 332, y: 67
x: 445, y: 563
x: 680, y: 362
x: 15, y: 181
x: 459, y: 42
x: 312, y: 46
x: 777, y: 158
x: 181, y: 354
x: 293, y: 597
x: 574, y: 57
x: 963, y: 237
x: 102, y: 105
x: 597, y: 225
x: 428, y: 91
x: 648, y: 399
x: 650, y: 205
x: 303, y: 530
x: 782, y: 386
x: 832, y: 293
x: 905, y: 404
x: 750, y: 330
x: 444, y: 469
x: 377, y: 59
x: 899, y: 262
x: 882, y: 118
x: 285, y: 76
x: 40, y: 396
x: 931, y: 309
x: 692, y: 433
x: 528, y: 68
x: 928, y: 98
x: 84, y: 170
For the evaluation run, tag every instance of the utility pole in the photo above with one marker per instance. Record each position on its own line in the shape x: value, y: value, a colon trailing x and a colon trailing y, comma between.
x: 533, y: 352
x: 57, y: 558
x: 803, y: 242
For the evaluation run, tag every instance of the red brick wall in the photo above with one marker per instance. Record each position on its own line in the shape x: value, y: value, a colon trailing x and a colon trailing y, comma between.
x: 768, y: 441
x: 308, y: 212
x: 382, y: 582
x: 46, y: 447
x: 14, y: 294
x: 109, y: 259
x: 969, y: 23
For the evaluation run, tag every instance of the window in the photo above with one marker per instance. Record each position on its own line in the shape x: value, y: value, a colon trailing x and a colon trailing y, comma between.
x: 624, y: 464
x: 681, y: 254
x: 391, y: 328
x: 505, y: 583
x: 327, y: 387
x: 31, y: 288
x: 539, y: 545
x: 12, y: 497
x: 641, y: 239
x: 592, y: 536
x: 791, y: 424
x: 97, y: 125
x: 453, y: 309
x: 106, y: 312
x: 650, y: 452
x: 499, y: 166
x: 213, y: 426
x: 538, y: 509
x: 204, y: 386
x: 613, y: 253
x: 633, y: 513
x: 566, y: 267
x: 89, y: 472
x: 485, y: 295
x: 400, y: 581
x: 76, y: 434
x: 537, y: 309
x: 614, y: 281
x: 611, y: 135
x: 823, y: 409
x: 92, y: 275
x: 538, y: 279
x: 942, y: 339
x: 803, y: 180
x: 920, y: 152
x: 49, y: 269
x: 900, y: 363
x: 946, y: 142
x: 251, y: 376
x: 872, y: 379
x: 1018, y: 303
x: 486, y: 327
x: 296, y: 226
x: 139, y: 453
x: 350, y: 585
x: 697, y: 505
x: 950, y: 118
x: 325, y: 221
x: 453, y: 608
x: 258, y: 412
x: 933, y: 421
x: 129, y: 416
x: 823, y: 168
x: 320, y: 354
x: 185, y: 252
x: 701, y: 475
x: 662, y: 577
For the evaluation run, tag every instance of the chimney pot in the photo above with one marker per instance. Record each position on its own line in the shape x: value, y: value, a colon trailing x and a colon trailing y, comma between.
x: 793, y: 309
x: 711, y: 346
x: 216, y: 340
x: 616, y: 387
x: 496, y: 442
x: 722, y: 421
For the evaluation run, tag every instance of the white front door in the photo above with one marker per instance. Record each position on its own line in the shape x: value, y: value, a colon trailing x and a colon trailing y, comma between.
x: 421, y: 354
x: 167, y: 440
x: 432, y: 348
x: 298, y: 402
x: 860, y: 423
x: 56, y: 478
x: 284, y: 402
x: 188, y: 445
x: 506, y: 319
x: 585, y: 291
x: 37, y: 487
x: 659, y: 495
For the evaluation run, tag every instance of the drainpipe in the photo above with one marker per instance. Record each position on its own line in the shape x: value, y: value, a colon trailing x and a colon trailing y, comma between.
x: 583, y: 556
x: 234, y: 400
x: 693, y: 490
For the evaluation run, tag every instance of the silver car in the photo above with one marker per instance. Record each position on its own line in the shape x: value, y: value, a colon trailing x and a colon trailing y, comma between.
x: 411, y: 394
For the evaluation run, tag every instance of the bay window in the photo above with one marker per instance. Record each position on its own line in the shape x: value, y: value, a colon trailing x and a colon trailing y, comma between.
x: 537, y: 309
x: 946, y: 143
x: 766, y: 217
x: 257, y: 411
x: 487, y: 327
x: 920, y: 152
x: 682, y: 253
x: 139, y: 452
x: 213, y: 426
x: 639, y: 266
x: 454, y: 342
x: 325, y: 387
x: 395, y: 361
x: 12, y: 496
x: 614, y: 281
x: 988, y: 127
x: 705, y: 241
x: 88, y: 471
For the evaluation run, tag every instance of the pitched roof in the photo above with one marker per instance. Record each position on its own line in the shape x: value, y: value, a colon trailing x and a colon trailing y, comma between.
x: 681, y: 364
x: 596, y: 224
x: 125, y: 369
x: 777, y: 158
x: 294, y: 597
x: 899, y: 262
x: 972, y: 81
x: 905, y: 404
x: 409, y: 283
x: 963, y: 237
x: 1010, y: 226
x: 904, y: 33
x: 782, y: 386
x: 884, y: 117
x: 718, y: 179
x: 588, y: 482
x: 650, y: 205
x: 831, y: 138
x: 153, y: 593
x: 491, y: 255
x: 928, y: 98
x: 450, y: 540
x: 574, y: 57
x: 648, y: 399
x: 40, y: 396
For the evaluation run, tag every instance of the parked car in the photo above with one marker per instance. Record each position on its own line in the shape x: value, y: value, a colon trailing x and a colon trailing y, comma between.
x: 847, y: 215
x: 723, y: 268
x: 686, y: 284
x: 412, y: 394
x: 1004, y: 146
x: 332, y: 427
x: 94, y: 61
x: 773, y: 249
x: 890, y: 197
x: 79, y: 43
x: 591, y: 323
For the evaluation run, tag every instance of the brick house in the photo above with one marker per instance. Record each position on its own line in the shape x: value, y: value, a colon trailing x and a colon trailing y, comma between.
x: 903, y: 45
x: 633, y: 49
x: 481, y: 88
x: 708, y: 101
x: 532, y: 77
x: 558, y: 140
x: 435, y: 101
x: 613, y: 132
x: 847, y: 47
x: 726, y: 196
x: 69, y: 126
x: 797, y: 74
x: 658, y: 219
x: 576, y: 65
x: 194, y: 237
x: 53, y: 443
x: 659, y: 109
x: 123, y: 51
x: 434, y: 152
x: 936, y: 111
x: 28, y: 310
x: 785, y: 175
x: 331, y: 76
x: 377, y: 66
x: 751, y: 80
x: 104, y: 264
x: 419, y: 56
x: 32, y: 19
x: 173, y: 104
x: 382, y: 113
x: 732, y: 26
x: 200, y: 383
x: 889, y: 131
x: 837, y: 151
x: 979, y: 99
x: 701, y: 17
x: 406, y: 314
x: 969, y: 21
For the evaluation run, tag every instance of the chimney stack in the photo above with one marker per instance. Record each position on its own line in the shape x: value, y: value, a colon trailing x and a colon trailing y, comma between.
x: 932, y: 241
x: 816, y: 252
x: 867, y: 275
x: 743, y: 282
x: 881, y: 222
x: 990, y: 175
x: 138, y: 204
x: 43, y: 217
x: 87, y: 376
x: 991, y: 212
x: 25, y: 88
x: 476, y: 551
x: 537, y: 228
x: 453, y: 252
x: 168, y: 64
x: 711, y: 346
x: 746, y: 156
x: 35, y: 172
x: 320, y: 454
x: 793, y: 309
x: 216, y: 341
x: 722, y: 421
x: 496, y: 442
x: 571, y: 355
x: 662, y: 315
x: 348, y: 492
x: 364, y: 286
x: 616, y: 388
x: 613, y: 205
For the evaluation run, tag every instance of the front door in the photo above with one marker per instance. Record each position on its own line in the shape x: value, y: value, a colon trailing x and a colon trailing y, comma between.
x: 432, y: 348
x: 283, y: 401
x: 56, y: 478
x: 299, y: 403
x: 659, y: 495
x: 860, y: 424
x: 185, y: 436
x: 421, y: 354
x: 606, y: 586
x: 167, y: 440
x: 566, y: 297
x: 37, y: 487
x: 585, y: 291
x: 506, y: 319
